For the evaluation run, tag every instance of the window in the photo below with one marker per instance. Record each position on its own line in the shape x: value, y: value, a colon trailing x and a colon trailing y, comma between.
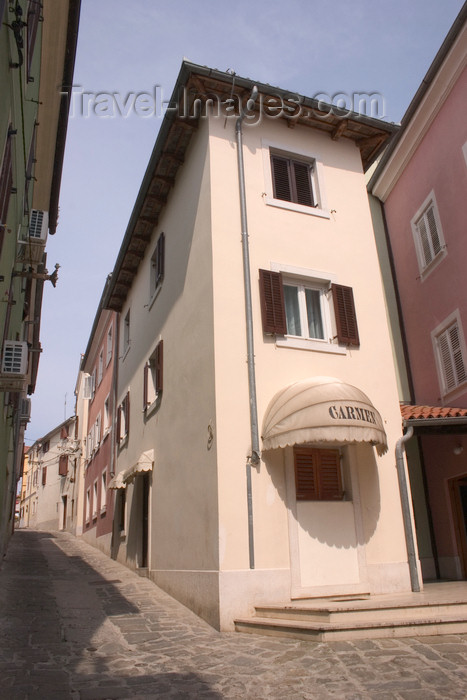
x: 32, y: 24
x: 123, y: 419
x: 428, y: 236
x: 100, y: 367
x: 45, y: 446
x: 293, y: 180
x: 97, y: 432
x: 44, y: 476
x: 121, y: 510
x: 6, y: 183
x: 157, y: 267
x: 317, y: 474
x: 153, y: 373
x: 103, y: 504
x: 94, y: 499
x: 298, y: 306
x: 88, y: 506
x: 109, y: 345
x: 450, y: 354
x: 106, y: 415
x: 63, y: 465
x: 126, y: 333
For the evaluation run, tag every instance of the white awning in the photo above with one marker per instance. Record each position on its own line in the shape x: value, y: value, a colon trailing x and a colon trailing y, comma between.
x: 322, y: 410
x: 145, y: 463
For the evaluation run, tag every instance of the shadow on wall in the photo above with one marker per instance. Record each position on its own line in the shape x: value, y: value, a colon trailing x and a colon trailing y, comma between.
x: 56, y: 630
x: 341, y: 534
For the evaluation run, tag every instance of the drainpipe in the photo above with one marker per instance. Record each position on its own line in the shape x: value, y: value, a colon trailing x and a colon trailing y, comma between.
x: 254, y: 458
x: 406, y: 510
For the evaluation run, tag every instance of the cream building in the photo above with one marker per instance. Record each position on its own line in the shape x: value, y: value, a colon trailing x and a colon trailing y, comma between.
x: 258, y: 408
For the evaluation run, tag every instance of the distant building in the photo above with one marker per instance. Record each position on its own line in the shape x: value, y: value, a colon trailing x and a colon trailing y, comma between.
x: 37, y: 52
x: 257, y: 408
x: 422, y: 181
x: 97, y: 391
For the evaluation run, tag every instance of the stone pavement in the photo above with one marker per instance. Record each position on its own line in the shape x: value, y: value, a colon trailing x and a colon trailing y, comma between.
x: 75, y: 624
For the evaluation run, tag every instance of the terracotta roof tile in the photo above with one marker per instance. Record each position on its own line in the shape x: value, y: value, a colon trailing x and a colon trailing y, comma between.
x: 417, y: 412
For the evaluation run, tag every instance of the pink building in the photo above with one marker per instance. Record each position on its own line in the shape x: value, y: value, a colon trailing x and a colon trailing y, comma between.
x: 422, y: 182
x: 98, y: 367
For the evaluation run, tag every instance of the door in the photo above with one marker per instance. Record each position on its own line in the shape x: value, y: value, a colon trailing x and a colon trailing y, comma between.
x: 458, y: 490
x: 145, y: 520
x: 64, y: 500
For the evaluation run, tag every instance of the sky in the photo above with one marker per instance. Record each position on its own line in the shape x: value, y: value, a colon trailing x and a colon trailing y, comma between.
x: 127, y: 48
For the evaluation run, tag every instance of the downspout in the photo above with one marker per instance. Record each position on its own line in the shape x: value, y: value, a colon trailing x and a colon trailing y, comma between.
x: 254, y: 458
x: 406, y: 510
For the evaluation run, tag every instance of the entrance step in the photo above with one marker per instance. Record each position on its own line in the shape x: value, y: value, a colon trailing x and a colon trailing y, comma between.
x: 377, y: 617
x: 143, y: 571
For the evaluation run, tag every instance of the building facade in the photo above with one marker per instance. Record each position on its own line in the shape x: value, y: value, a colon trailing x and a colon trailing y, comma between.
x: 98, y: 367
x: 420, y: 182
x: 37, y: 50
x: 257, y: 410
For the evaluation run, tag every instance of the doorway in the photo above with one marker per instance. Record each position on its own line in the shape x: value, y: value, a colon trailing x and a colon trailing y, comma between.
x: 64, y: 501
x: 144, y: 520
x: 458, y: 491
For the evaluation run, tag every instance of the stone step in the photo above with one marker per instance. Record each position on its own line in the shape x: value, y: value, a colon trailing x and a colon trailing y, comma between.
x: 358, y: 629
x: 362, y: 611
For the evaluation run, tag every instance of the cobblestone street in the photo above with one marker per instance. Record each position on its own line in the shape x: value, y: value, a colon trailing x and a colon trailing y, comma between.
x: 75, y: 624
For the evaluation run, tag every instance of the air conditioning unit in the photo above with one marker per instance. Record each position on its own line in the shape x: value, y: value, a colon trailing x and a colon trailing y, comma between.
x: 38, y: 225
x: 25, y: 410
x: 15, y: 358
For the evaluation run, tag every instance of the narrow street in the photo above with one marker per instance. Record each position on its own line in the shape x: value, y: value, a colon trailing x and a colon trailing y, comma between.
x: 75, y: 624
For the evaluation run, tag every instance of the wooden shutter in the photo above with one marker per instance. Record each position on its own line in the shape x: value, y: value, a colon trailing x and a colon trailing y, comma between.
x: 126, y: 404
x: 346, y: 318
x: 119, y: 423
x: 159, y: 360
x: 64, y: 432
x: 272, y: 302
x: 44, y: 476
x: 63, y: 465
x: 317, y: 474
x: 303, y: 191
x: 330, y: 483
x: 306, y: 476
x: 281, y: 178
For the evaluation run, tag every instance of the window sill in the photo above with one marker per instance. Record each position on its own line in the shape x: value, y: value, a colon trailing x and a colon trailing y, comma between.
x: 290, y: 341
x: 152, y: 407
x: 300, y: 208
x: 426, y: 271
x: 452, y: 394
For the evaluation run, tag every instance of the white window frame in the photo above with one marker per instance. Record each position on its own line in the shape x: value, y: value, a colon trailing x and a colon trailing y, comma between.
x: 106, y: 424
x: 460, y: 385
x: 427, y: 267
x: 88, y: 506
x: 109, y: 345
x: 274, y: 148
x: 95, y: 495
x: 100, y: 367
x: 322, y: 281
x: 103, y: 498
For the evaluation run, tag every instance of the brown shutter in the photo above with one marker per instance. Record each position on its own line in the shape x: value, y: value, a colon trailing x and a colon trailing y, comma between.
x: 127, y: 413
x: 317, y: 474
x: 346, y: 318
x: 304, y: 193
x: 306, y: 476
x: 159, y: 366
x: 44, y: 475
x: 330, y: 486
x: 280, y: 178
x: 63, y: 465
x: 145, y: 386
x: 272, y: 302
x: 64, y: 432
